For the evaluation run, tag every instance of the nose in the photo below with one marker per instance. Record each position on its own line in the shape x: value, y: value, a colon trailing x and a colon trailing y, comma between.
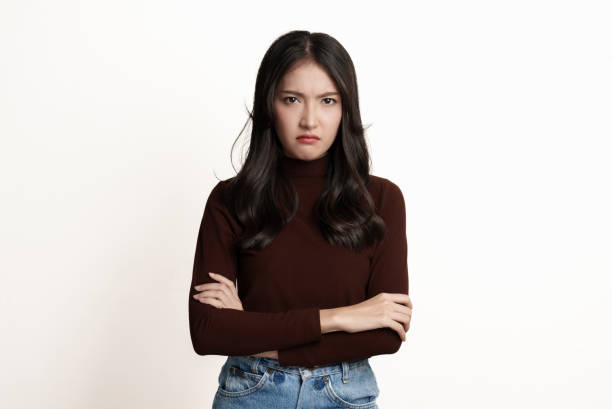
x: 309, y: 116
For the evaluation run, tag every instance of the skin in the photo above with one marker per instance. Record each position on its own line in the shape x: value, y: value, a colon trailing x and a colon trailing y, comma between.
x: 313, y: 106
x: 307, y: 102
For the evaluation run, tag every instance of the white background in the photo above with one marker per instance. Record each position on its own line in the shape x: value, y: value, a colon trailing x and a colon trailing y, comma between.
x: 493, y: 117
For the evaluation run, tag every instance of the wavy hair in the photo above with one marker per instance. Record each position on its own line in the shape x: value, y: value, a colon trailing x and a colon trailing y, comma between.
x: 262, y: 198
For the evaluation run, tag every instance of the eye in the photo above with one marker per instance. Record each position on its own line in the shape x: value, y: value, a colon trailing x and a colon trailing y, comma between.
x: 285, y: 99
x: 330, y: 99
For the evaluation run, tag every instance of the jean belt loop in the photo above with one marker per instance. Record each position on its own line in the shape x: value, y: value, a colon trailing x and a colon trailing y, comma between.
x: 255, y: 363
x: 345, y: 372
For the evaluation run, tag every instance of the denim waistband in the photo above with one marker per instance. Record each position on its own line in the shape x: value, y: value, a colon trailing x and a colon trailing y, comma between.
x: 260, y: 364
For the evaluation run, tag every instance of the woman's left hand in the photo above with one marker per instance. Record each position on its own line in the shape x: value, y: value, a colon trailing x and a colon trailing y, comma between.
x: 221, y: 295
x: 224, y: 295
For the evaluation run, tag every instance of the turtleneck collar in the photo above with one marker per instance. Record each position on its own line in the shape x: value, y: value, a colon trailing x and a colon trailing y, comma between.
x: 298, y: 167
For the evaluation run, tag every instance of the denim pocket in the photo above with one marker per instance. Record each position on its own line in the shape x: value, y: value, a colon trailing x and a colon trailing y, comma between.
x: 360, y: 392
x: 240, y: 382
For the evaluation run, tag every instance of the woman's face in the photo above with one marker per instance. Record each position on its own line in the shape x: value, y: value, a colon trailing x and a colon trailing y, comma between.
x: 307, y: 102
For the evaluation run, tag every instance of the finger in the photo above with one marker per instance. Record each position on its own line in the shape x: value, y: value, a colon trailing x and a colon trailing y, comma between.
x: 397, y: 327
x: 207, y: 285
x: 227, y: 297
x: 219, y: 295
x: 227, y: 282
x: 227, y: 291
x: 402, y: 308
x: 221, y: 278
x: 209, y: 300
x: 402, y: 318
x: 401, y: 298
x: 204, y: 285
x: 215, y: 286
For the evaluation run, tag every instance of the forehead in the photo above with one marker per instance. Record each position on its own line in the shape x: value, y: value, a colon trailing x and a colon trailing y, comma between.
x: 307, y: 77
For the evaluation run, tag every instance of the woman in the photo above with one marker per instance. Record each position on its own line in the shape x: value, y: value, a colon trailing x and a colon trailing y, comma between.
x: 317, y: 245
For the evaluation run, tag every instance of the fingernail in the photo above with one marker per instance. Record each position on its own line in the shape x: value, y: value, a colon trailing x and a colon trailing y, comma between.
x: 211, y: 274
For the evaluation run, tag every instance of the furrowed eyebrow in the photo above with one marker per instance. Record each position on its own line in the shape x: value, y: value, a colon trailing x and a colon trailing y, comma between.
x: 301, y: 95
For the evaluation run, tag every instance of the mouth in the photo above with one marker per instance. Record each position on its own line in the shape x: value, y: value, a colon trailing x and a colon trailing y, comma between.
x: 308, y: 137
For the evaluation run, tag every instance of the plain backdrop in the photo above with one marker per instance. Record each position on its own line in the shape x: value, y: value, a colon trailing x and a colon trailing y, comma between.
x: 493, y: 117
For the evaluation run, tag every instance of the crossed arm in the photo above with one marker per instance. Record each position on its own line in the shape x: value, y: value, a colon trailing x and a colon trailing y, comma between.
x: 223, y: 294
x: 296, y: 337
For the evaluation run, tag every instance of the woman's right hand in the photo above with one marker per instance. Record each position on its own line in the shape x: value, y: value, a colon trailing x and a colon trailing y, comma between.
x: 393, y: 310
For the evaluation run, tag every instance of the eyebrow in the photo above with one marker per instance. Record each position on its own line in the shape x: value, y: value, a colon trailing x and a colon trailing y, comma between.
x: 301, y: 95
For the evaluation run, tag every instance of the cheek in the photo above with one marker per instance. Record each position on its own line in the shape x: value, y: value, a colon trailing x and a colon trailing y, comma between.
x: 283, y: 125
x: 333, y: 117
x: 283, y: 117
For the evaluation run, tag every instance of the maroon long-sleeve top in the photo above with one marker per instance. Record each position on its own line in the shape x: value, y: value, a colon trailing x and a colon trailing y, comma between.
x: 284, y: 286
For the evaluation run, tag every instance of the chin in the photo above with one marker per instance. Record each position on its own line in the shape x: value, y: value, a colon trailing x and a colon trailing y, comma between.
x: 309, y: 155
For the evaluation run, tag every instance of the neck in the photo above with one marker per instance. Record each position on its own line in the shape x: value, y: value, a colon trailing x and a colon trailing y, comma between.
x: 305, y: 168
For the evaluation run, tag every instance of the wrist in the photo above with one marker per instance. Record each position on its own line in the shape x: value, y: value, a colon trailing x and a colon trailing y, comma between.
x: 330, y: 320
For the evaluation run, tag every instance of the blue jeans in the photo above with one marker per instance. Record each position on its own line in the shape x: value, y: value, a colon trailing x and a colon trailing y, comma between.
x: 261, y: 383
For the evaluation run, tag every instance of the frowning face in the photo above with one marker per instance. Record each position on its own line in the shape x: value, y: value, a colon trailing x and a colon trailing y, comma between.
x: 307, y: 102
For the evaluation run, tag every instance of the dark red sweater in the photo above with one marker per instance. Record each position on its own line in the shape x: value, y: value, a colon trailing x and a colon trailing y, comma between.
x: 284, y: 286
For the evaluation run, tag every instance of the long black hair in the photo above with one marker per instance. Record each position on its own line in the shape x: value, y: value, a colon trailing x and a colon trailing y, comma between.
x: 262, y: 198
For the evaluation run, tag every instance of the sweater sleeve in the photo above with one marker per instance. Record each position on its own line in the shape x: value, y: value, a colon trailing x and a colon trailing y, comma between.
x: 225, y: 331
x: 388, y: 273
